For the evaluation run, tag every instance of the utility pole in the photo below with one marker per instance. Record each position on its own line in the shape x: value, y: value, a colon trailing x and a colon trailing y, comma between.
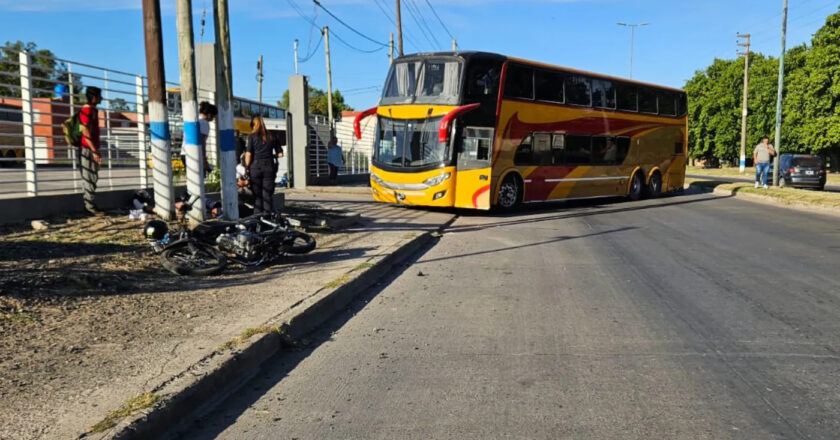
x: 296, y: 57
x: 329, y: 77
x: 399, y: 31
x: 158, y: 117
x: 224, y: 99
x: 259, y: 78
x: 779, y: 95
x: 391, y: 48
x: 191, y: 147
x: 746, y: 54
x: 454, y: 45
x: 632, y: 39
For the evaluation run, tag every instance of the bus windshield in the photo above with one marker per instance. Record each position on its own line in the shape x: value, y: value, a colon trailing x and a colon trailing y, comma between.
x: 409, y: 143
x: 429, y: 81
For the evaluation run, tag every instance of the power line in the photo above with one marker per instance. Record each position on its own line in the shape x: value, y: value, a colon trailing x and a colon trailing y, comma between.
x: 420, y: 25
x: 332, y: 33
x: 347, y: 25
x: 423, y: 22
x: 311, y: 54
x: 409, y: 37
x: 439, y: 20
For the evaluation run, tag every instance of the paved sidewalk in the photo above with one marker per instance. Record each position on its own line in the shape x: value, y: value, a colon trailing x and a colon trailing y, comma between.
x: 70, y: 361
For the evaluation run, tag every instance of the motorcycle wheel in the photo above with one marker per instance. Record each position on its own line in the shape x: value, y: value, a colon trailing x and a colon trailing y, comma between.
x: 296, y: 242
x: 193, y: 258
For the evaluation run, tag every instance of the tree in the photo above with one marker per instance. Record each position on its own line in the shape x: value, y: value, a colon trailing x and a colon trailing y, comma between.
x: 318, y: 102
x: 118, y: 104
x: 46, y: 71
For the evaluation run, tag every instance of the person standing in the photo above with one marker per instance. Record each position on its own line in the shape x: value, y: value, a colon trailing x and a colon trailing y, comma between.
x: 761, y: 159
x: 261, y: 155
x: 334, y: 159
x: 206, y: 113
x: 89, y: 157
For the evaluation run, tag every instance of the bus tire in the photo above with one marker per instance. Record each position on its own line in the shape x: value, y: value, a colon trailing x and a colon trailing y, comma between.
x: 510, y: 193
x: 637, y: 187
x: 654, y: 186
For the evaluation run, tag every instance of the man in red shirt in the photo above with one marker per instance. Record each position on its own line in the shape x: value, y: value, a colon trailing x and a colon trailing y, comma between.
x: 89, y: 157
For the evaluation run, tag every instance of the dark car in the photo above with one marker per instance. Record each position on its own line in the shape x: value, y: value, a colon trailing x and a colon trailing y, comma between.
x: 802, y: 171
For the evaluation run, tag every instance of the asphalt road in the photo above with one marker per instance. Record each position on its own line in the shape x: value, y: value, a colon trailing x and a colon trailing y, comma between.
x: 748, y: 178
x: 689, y: 317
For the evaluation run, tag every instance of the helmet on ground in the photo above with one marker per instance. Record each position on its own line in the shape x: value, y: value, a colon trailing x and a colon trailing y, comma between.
x: 155, y: 230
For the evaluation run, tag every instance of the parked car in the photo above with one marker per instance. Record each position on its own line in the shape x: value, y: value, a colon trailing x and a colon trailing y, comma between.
x: 802, y: 171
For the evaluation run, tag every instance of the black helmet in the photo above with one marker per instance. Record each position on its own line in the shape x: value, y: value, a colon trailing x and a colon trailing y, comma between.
x: 155, y: 230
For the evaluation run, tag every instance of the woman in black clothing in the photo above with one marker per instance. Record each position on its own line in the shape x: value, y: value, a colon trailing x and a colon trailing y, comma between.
x: 261, y: 157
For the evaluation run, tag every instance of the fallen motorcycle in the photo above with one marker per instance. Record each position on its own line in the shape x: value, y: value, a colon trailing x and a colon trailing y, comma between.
x: 204, y: 250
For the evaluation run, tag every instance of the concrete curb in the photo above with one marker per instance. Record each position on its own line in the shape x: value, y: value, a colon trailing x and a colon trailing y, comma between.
x: 808, y: 207
x: 339, y: 189
x: 206, y: 383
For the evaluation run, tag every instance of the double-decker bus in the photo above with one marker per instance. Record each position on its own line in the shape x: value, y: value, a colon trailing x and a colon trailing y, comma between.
x: 481, y: 130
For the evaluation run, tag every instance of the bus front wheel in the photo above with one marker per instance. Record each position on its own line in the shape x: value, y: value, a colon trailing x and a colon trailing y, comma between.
x: 637, y: 187
x: 510, y: 193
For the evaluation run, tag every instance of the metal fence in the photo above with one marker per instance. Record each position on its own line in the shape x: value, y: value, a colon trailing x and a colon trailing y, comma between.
x: 37, y: 94
x: 356, y: 153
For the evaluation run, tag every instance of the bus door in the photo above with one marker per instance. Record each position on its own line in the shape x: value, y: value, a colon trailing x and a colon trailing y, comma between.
x: 472, y: 184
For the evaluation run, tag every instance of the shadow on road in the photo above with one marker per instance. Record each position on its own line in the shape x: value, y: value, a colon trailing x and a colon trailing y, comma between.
x: 212, y: 423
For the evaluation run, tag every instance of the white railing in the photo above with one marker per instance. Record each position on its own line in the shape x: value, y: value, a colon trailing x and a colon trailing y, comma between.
x: 36, y: 95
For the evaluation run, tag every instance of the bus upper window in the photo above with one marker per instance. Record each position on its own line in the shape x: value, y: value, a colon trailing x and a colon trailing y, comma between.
x: 647, y: 101
x: 519, y: 82
x: 548, y: 85
x: 440, y: 79
x: 402, y: 81
x: 272, y: 113
x: 483, y: 79
x: 237, y: 108
x: 603, y: 94
x: 577, y: 90
x: 246, y: 110
x: 667, y: 104
x: 682, y: 105
x: 628, y: 98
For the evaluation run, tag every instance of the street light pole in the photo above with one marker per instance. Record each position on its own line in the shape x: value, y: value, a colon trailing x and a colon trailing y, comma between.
x: 632, y: 38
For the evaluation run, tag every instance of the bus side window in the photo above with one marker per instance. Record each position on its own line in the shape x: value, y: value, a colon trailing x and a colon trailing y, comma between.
x: 558, y: 146
x: 237, y: 108
x: 603, y: 94
x: 524, y: 154
x: 542, y: 149
x: 578, y: 150
x: 647, y: 101
x: 519, y: 82
x: 667, y: 104
x: 623, y: 143
x: 577, y: 90
x: 628, y: 98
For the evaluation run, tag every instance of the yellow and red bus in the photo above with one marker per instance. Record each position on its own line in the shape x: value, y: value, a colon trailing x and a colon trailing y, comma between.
x: 481, y: 130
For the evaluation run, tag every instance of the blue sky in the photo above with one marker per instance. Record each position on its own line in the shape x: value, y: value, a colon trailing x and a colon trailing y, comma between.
x: 683, y: 35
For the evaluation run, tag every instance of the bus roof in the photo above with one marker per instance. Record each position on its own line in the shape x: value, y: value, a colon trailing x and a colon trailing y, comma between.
x: 470, y: 54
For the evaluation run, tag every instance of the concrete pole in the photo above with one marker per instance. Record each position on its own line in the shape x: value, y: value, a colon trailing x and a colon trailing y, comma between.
x: 158, y: 118
x: 259, y: 79
x: 296, y: 56
x: 746, y: 45
x: 779, y: 95
x: 224, y: 99
x: 141, y: 132
x: 399, y: 31
x: 191, y: 146
x: 329, y: 78
x: 454, y: 45
x: 27, y: 113
x: 391, y: 48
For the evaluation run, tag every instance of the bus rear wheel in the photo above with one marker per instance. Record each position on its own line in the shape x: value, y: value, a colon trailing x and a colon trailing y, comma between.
x: 637, y: 187
x: 510, y: 193
x: 654, y: 187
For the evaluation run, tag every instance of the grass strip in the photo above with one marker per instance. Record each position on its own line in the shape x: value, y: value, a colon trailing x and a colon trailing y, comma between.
x: 136, y: 403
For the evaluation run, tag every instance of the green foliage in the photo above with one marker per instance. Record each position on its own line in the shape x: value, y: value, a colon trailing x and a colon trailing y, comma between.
x: 43, y: 65
x: 810, y: 109
x: 318, y: 102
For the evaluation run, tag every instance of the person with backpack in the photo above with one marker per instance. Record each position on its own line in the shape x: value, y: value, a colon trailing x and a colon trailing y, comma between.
x: 89, y: 157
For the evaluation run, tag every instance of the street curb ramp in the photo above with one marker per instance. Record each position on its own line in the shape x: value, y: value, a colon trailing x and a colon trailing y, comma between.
x: 208, y: 382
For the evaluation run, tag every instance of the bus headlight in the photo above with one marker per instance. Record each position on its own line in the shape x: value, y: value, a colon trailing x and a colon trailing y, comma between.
x: 376, y: 179
x: 437, y: 180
